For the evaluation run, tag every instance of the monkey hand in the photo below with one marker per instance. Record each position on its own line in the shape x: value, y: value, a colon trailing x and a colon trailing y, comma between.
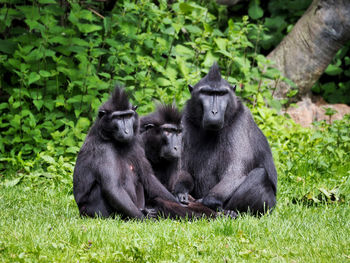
x: 149, y: 212
x: 182, y: 198
x: 199, y: 200
x: 212, y: 202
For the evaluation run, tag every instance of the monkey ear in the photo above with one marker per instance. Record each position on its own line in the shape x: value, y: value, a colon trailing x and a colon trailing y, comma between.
x: 190, y: 87
x: 233, y: 87
x: 134, y: 108
x: 101, y: 113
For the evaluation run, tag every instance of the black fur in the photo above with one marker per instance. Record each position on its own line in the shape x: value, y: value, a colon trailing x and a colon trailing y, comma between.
x: 156, y: 136
x: 167, y: 169
x: 112, y: 175
x: 225, y: 151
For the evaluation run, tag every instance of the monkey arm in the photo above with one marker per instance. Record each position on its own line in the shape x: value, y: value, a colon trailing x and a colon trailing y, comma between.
x: 153, y: 187
x: 223, y: 190
x: 182, y: 183
x: 116, y: 195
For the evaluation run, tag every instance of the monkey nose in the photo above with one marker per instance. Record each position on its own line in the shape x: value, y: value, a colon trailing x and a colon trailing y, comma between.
x: 175, y: 148
x: 126, y: 131
x: 214, y: 112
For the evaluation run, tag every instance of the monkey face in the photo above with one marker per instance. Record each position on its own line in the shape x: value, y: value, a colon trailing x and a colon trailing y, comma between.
x: 214, y: 104
x: 214, y: 96
x: 171, y: 142
x: 118, y: 125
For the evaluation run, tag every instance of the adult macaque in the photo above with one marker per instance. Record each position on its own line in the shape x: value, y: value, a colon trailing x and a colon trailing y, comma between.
x: 225, y: 151
x: 112, y: 174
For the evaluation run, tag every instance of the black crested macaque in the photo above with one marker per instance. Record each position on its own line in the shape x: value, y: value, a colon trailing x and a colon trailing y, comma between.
x: 161, y: 133
x: 112, y: 175
x: 225, y: 151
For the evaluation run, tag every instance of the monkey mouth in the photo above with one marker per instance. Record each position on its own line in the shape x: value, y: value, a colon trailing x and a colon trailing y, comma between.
x: 213, y: 126
x: 123, y: 138
x: 170, y: 155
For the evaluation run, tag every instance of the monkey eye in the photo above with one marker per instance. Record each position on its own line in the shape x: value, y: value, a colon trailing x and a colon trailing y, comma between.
x: 214, y: 92
x: 101, y: 113
x: 148, y: 126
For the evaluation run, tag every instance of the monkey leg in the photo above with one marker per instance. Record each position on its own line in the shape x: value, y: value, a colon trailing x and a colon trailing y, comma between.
x: 99, y: 208
x: 254, y: 195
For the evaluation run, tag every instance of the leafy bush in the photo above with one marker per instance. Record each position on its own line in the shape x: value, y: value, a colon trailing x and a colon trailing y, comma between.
x: 334, y: 85
x: 60, y: 59
x: 313, y: 165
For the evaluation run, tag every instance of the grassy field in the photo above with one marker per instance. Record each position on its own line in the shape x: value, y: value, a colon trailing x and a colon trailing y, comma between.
x: 39, y: 220
x: 41, y: 224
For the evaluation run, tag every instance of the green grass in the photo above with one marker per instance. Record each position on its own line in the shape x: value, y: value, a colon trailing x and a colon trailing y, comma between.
x: 41, y: 223
x: 39, y: 220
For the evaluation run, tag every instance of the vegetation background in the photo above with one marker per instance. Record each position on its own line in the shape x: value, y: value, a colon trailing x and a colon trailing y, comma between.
x: 59, y: 60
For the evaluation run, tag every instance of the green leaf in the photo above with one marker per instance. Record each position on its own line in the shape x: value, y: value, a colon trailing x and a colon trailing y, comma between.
x: 80, y: 42
x: 4, y: 105
x: 38, y: 104
x: 292, y: 93
x: 48, y: 159
x: 225, y: 53
x: 47, y: 2
x: 182, y: 67
x: 221, y: 43
x: 209, y: 60
x: 83, y: 123
x: 74, y: 99
x: 193, y: 29
x: 184, y: 51
x: 33, y: 77
x: 88, y: 28
x: 333, y: 70
x: 7, y: 46
x: 330, y: 111
x: 186, y: 8
x: 177, y: 27
x: 163, y: 82
x: 44, y: 73
x: 254, y: 10
x: 15, y: 121
x: 105, y: 75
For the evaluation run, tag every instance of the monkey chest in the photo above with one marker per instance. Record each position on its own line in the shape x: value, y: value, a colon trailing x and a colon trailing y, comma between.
x: 133, y: 186
x: 205, y: 177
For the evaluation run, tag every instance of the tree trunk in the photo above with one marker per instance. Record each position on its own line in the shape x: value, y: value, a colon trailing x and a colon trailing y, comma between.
x: 307, y: 50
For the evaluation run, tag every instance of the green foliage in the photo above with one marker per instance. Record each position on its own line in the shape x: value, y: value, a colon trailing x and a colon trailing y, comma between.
x: 282, y: 15
x: 255, y: 11
x: 310, y: 163
x: 60, y: 59
x: 334, y: 85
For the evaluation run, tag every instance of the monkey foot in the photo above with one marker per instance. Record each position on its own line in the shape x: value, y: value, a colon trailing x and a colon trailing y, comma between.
x: 227, y: 213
